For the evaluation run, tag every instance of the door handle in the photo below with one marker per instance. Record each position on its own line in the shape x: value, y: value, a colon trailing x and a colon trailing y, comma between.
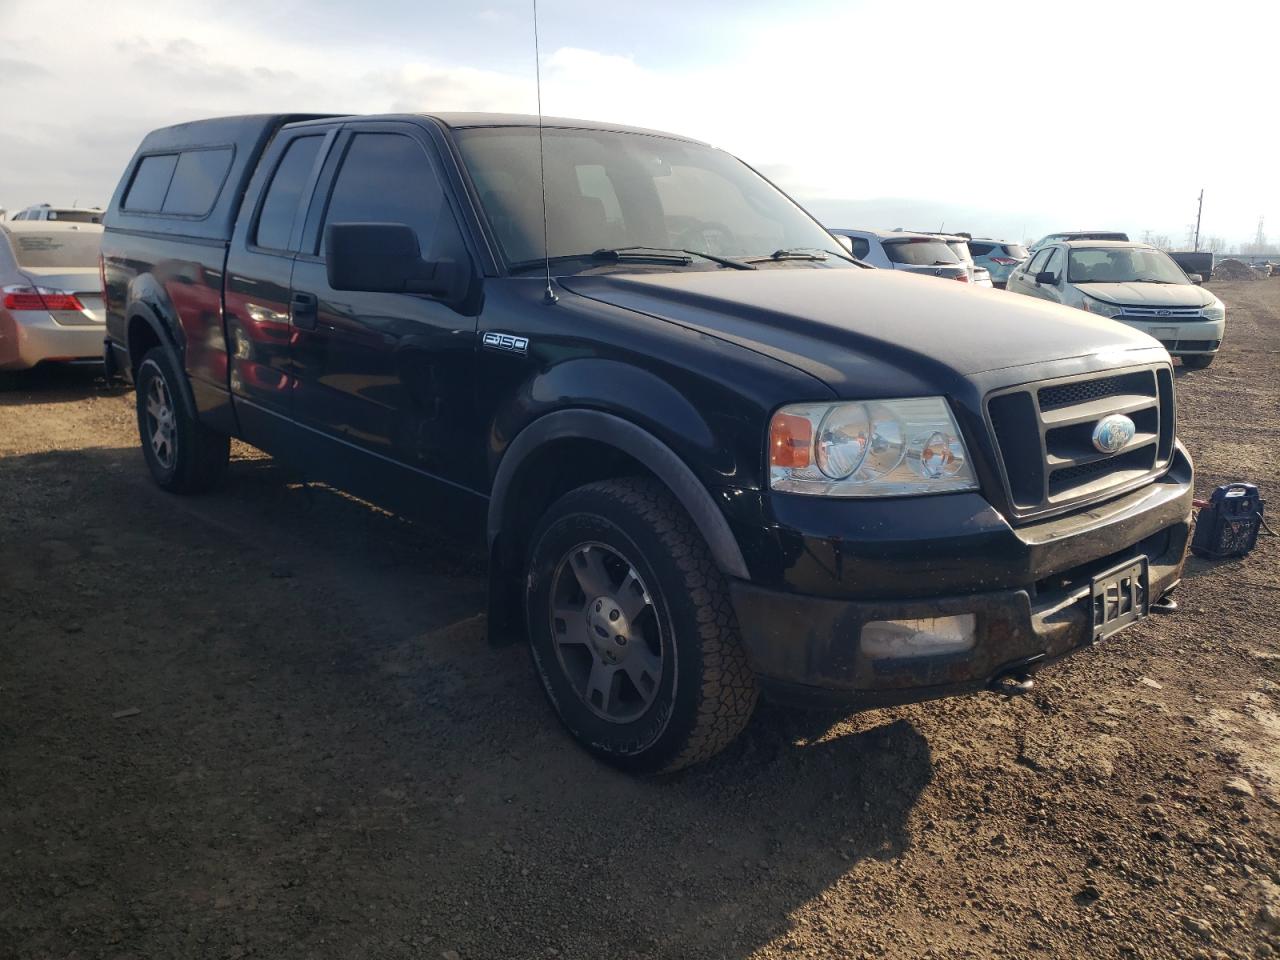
x: 302, y: 310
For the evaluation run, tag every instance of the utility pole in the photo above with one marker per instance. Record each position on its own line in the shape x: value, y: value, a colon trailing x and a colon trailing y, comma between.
x: 1199, y: 210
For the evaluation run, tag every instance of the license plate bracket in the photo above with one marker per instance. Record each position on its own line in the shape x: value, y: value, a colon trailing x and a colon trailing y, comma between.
x: 1118, y: 598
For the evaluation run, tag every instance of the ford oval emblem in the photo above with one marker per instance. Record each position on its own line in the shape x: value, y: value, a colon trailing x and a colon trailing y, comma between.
x: 1112, y: 434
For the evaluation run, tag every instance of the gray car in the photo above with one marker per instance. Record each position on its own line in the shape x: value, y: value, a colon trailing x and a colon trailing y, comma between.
x: 1131, y: 282
x: 50, y: 293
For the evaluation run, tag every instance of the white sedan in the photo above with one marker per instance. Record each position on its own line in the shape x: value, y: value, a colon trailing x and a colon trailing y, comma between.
x: 1133, y: 283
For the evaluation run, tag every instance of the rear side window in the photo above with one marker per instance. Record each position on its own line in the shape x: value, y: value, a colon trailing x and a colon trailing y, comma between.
x: 197, y: 180
x: 275, y: 223
x: 920, y: 253
x: 151, y: 183
x: 387, y: 178
x: 860, y: 247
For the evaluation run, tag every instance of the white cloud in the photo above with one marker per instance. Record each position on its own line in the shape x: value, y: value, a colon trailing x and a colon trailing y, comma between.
x: 1013, y: 122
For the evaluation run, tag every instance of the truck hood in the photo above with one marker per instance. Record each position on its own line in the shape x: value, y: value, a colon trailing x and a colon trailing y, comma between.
x: 846, y: 326
x: 1149, y: 294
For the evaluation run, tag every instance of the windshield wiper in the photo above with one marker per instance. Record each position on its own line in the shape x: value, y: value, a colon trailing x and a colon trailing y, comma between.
x: 795, y: 253
x: 667, y: 253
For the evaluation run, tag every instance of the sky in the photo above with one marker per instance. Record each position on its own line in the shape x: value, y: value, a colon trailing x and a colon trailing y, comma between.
x: 1007, y: 120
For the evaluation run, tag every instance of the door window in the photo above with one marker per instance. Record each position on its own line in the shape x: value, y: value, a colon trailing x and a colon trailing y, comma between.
x: 1054, y: 264
x: 1037, y: 263
x: 280, y: 208
x: 388, y: 178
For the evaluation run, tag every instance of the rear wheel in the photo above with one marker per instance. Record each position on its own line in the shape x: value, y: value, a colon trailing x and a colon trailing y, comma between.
x: 184, y: 455
x: 1199, y: 361
x: 632, y: 630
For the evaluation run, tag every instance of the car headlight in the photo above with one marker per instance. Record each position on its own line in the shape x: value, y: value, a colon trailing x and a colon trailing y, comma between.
x: 1101, y: 307
x: 873, y: 448
x: 1215, y: 311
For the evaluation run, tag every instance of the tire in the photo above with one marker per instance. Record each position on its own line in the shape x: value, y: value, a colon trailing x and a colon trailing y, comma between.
x: 1198, y: 361
x: 681, y: 689
x: 184, y: 455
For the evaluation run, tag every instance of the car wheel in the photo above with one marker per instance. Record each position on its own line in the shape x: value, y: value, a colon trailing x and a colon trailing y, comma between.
x: 1199, y: 361
x: 184, y: 455
x: 632, y: 630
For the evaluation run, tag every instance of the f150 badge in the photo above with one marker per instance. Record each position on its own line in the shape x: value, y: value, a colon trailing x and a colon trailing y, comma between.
x: 506, y: 341
x: 1112, y: 434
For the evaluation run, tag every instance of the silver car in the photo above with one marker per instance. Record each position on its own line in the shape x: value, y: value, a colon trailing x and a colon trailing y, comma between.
x: 42, y: 211
x: 1131, y: 282
x: 50, y: 293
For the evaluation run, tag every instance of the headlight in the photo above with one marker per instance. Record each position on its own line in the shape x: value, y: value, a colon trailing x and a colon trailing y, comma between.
x: 876, y: 448
x: 1215, y: 311
x: 1101, y: 307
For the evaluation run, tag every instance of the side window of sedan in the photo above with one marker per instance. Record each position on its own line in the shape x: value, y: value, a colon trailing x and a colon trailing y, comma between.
x: 1037, y: 262
x: 1054, y: 265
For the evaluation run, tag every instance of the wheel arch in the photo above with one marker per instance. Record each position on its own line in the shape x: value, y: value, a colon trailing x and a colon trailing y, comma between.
x: 632, y: 442
x: 531, y: 476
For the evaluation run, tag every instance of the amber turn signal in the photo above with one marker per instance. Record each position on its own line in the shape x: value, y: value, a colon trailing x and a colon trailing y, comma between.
x: 790, y: 441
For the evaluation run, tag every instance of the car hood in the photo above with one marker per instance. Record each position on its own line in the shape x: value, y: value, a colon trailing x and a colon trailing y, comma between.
x: 845, y: 326
x: 1148, y: 294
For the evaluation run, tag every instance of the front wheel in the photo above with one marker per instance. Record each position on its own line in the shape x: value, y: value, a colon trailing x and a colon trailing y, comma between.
x: 632, y: 630
x: 183, y: 455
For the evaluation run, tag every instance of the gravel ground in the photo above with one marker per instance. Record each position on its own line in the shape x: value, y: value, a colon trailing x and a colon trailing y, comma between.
x: 265, y: 723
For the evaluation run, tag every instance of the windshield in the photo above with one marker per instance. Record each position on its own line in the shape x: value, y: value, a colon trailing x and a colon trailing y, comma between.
x: 55, y: 248
x: 920, y: 253
x: 1123, y: 265
x: 608, y: 190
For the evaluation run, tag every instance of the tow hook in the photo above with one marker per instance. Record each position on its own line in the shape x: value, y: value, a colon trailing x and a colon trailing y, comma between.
x: 1015, y: 678
x: 1012, y: 684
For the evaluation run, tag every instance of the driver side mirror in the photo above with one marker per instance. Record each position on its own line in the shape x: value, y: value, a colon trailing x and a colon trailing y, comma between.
x: 385, y: 258
x: 1195, y: 278
x: 1046, y: 278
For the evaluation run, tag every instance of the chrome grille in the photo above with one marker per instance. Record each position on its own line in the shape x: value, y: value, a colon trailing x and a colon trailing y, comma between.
x: 1163, y: 313
x: 1043, y: 432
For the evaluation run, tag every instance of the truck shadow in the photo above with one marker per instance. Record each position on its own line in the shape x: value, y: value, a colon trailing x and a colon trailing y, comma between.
x: 54, y: 383
x: 328, y: 749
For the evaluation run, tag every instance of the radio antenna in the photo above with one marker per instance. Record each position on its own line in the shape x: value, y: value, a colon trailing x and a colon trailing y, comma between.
x: 549, y: 296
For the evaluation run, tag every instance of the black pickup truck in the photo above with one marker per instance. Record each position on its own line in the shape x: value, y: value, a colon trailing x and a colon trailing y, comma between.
x: 710, y: 454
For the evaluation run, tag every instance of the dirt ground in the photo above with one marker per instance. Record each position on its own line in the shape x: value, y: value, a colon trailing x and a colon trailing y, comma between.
x: 264, y: 723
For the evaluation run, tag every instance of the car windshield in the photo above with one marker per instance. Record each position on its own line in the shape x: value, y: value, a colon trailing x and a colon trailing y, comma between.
x: 55, y: 248
x: 1123, y: 265
x: 920, y: 253
x: 617, y: 191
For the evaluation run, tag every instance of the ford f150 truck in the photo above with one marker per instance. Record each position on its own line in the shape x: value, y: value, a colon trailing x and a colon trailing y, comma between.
x: 710, y: 454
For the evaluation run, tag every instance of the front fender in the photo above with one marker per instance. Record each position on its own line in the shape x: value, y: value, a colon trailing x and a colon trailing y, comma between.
x: 639, y: 444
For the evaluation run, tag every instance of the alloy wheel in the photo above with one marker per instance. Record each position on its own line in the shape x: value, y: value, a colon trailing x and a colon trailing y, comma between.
x: 607, y: 632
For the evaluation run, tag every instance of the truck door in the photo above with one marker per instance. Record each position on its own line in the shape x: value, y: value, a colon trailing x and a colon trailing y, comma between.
x: 258, y: 275
x: 386, y: 374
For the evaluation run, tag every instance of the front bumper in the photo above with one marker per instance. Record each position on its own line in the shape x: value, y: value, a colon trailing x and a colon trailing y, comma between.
x: 1182, y: 338
x: 29, y: 337
x: 1031, y: 603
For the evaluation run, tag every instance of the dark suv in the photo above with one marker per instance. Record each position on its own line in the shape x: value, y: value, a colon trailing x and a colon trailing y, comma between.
x: 709, y: 453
